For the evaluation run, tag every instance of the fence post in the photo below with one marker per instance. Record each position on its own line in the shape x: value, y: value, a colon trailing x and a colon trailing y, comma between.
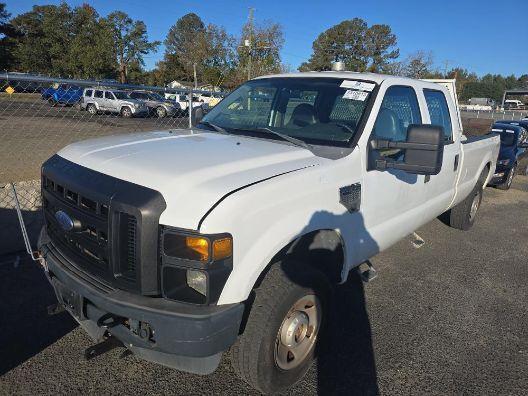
x: 189, y: 112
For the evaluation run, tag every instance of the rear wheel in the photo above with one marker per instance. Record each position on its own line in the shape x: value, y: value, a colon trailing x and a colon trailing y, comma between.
x: 52, y: 102
x: 126, y: 112
x: 90, y: 108
x: 464, y: 214
x: 509, y: 180
x: 283, y: 327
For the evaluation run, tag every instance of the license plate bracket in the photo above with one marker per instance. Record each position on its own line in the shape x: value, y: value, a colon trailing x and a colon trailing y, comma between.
x: 72, y: 301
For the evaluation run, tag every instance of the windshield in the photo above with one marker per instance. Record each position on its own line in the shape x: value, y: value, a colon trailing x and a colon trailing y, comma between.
x: 155, y: 96
x: 120, y: 94
x: 325, y: 111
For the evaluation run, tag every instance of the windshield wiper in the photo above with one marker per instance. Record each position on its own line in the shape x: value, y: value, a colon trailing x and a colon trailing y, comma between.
x: 295, y: 141
x: 214, y: 126
x: 346, y: 128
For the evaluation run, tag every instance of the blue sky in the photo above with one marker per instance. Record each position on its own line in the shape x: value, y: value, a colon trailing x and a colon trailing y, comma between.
x: 484, y: 36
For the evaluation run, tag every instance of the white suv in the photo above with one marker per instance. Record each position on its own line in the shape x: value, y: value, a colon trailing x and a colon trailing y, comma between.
x: 113, y: 101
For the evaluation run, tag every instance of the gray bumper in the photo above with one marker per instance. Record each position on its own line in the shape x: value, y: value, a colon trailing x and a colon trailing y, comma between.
x: 183, y: 336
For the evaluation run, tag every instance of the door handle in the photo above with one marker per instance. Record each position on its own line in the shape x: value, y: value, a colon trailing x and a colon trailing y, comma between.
x: 456, y: 163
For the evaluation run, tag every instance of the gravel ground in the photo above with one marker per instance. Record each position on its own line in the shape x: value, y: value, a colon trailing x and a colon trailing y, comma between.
x: 448, y: 318
x: 31, y: 131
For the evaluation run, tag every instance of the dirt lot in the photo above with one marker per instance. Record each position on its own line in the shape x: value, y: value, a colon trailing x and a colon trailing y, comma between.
x: 448, y: 318
x: 31, y: 131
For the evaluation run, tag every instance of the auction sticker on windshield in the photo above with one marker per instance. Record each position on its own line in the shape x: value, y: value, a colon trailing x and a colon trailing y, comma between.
x: 355, y: 95
x: 359, y: 85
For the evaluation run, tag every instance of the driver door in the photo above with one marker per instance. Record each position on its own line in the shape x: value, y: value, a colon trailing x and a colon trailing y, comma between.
x: 393, y: 199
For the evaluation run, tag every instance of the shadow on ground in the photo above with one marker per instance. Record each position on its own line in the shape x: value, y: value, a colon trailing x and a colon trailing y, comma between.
x: 25, y: 325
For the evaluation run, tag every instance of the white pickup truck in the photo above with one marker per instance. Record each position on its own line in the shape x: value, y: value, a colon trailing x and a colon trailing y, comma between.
x: 182, y: 244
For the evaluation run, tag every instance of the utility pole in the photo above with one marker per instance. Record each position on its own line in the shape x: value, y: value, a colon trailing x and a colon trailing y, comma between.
x: 249, y: 43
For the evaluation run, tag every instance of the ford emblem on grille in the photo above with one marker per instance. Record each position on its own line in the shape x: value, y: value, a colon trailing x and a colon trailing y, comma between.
x: 65, y: 221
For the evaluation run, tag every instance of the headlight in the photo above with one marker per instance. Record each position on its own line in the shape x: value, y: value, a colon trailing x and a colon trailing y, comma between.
x: 503, y: 162
x: 195, y: 267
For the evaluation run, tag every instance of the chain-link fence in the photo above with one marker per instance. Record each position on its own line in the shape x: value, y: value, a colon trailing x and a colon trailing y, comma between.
x: 40, y: 115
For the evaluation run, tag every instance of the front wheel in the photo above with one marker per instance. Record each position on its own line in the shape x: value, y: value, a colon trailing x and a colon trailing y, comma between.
x: 507, y: 184
x: 161, y: 112
x: 283, y: 327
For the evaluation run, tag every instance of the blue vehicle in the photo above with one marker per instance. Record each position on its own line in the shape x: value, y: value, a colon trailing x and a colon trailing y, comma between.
x: 65, y: 94
x: 513, y: 152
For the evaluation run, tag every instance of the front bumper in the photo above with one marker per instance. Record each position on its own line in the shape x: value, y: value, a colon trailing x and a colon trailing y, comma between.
x: 183, y: 336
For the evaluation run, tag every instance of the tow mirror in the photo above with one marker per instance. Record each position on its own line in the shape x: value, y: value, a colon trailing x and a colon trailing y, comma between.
x: 423, y: 151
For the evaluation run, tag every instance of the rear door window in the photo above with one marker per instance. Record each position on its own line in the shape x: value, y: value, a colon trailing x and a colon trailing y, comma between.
x: 98, y: 94
x: 439, y: 112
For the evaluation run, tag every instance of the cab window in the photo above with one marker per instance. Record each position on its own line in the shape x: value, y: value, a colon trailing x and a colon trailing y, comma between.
x: 398, y: 110
x: 98, y: 94
x: 109, y: 95
x: 439, y: 112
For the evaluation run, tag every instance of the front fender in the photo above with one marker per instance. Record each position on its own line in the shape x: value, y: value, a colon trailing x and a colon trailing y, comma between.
x: 268, y: 216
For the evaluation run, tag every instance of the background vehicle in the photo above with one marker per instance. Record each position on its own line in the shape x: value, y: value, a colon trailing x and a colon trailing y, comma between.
x: 156, y: 103
x: 182, y: 244
x: 513, y: 152
x: 512, y: 104
x: 482, y: 102
x: 62, y: 94
x: 183, y: 102
x: 96, y: 100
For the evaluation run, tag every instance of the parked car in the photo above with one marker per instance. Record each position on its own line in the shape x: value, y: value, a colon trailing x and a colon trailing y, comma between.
x: 183, y: 102
x: 66, y: 94
x: 184, y: 243
x: 513, y: 150
x: 156, y: 103
x: 97, y: 100
x: 513, y: 104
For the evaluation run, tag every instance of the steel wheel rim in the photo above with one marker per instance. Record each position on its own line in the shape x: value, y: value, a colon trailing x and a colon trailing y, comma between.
x: 91, y: 110
x: 126, y: 112
x: 474, y: 206
x: 161, y: 112
x: 298, y: 332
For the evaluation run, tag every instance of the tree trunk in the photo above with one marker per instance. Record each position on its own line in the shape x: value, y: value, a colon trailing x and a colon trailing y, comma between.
x: 122, y: 75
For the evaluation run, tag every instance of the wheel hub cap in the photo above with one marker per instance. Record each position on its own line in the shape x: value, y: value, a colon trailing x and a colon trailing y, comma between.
x: 294, y: 329
x: 298, y: 332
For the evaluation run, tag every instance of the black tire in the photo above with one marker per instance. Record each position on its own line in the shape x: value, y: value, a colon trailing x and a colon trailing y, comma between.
x: 161, y: 112
x: 509, y: 180
x: 126, y: 112
x: 254, y: 356
x: 90, y: 108
x: 461, y: 216
x: 52, y: 102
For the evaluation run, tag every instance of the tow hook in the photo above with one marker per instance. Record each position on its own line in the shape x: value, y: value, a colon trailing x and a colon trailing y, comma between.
x: 55, y: 309
x: 101, y: 348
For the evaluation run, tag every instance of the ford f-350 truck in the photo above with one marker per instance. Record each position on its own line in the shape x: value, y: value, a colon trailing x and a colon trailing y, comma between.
x: 182, y: 244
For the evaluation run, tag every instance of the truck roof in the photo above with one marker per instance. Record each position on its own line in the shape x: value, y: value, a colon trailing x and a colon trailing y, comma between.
x: 377, y: 78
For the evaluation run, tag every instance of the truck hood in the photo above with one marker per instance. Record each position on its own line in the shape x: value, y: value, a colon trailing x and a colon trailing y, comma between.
x: 192, y: 169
